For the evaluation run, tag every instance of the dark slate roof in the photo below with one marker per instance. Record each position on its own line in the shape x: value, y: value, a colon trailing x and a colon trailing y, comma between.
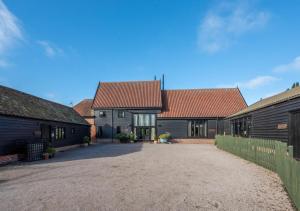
x: 132, y: 94
x: 84, y: 108
x: 20, y: 104
x: 279, y: 98
x: 191, y: 103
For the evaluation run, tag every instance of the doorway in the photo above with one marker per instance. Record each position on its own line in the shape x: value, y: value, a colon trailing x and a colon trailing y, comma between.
x: 45, y: 132
x: 197, y: 128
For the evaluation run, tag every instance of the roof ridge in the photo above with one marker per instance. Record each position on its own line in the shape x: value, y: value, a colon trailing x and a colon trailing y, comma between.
x: 46, y: 110
x: 84, y: 100
x: 30, y: 95
x: 202, y: 89
x: 133, y: 81
x: 271, y: 100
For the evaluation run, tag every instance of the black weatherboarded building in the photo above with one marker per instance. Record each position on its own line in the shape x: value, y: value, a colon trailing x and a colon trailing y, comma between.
x: 147, y: 110
x: 29, y: 118
x: 276, y: 117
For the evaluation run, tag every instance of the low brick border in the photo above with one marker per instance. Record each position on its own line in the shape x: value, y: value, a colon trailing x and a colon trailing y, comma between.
x: 6, y: 159
x: 193, y: 141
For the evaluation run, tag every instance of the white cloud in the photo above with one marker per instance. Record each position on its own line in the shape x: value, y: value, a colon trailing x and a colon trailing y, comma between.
x: 292, y: 66
x: 223, y: 24
x: 254, y: 83
x: 10, y: 32
x: 10, y: 29
x: 50, y: 49
x: 257, y: 82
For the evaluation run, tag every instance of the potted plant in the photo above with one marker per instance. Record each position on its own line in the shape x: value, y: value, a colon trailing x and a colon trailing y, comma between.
x: 86, y: 141
x: 51, y: 152
x: 123, y: 137
x: 164, y: 138
x: 46, y: 156
x: 132, y: 137
x: 155, y: 140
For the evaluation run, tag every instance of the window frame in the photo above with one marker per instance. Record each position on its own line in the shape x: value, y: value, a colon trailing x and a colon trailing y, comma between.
x: 102, y: 114
x: 144, y: 120
x: 60, y: 133
x: 121, y: 114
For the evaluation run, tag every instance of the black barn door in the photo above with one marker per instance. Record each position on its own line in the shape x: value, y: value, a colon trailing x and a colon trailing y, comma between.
x: 295, y: 133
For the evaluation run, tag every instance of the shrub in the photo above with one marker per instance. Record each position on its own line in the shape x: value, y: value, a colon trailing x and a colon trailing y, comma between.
x: 131, y: 136
x: 123, y: 137
x: 86, y: 140
x: 51, y: 150
x: 165, y: 136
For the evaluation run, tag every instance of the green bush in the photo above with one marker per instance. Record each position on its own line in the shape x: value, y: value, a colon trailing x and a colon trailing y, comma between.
x: 51, y: 150
x: 165, y: 136
x: 131, y: 136
x: 123, y: 137
x: 86, y: 140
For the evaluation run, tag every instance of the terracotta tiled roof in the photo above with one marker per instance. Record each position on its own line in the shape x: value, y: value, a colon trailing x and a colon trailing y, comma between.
x: 84, y: 108
x: 281, y: 97
x: 16, y: 103
x: 134, y: 94
x: 201, y: 103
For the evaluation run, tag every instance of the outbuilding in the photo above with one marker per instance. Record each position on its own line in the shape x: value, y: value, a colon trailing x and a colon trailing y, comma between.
x: 29, y: 118
x: 276, y: 117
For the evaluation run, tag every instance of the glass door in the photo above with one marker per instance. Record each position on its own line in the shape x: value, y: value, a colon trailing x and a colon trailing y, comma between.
x: 197, y: 128
x: 144, y: 126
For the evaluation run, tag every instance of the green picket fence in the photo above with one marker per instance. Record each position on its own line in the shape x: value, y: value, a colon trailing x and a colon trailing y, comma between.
x: 273, y: 155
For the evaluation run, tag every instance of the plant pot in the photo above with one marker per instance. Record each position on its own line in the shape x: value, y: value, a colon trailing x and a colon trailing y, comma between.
x: 85, y: 144
x: 163, y: 140
x: 124, y: 141
x: 46, y: 156
x: 155, y: 142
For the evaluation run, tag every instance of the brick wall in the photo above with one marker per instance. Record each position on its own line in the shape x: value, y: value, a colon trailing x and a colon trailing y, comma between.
x: 8, y: 159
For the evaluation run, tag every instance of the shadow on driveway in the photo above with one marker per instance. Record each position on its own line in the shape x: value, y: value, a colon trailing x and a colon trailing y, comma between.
x: 93, y: 151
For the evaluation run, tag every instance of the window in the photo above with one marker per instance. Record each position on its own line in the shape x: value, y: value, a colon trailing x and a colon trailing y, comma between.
x: 99, y: 132
x: 118, y: 129
x: 197, y: 128
x: 102, y: 114
x: 73, y: 130
x: 144, y: 120
x: 121, y: 114
x: 152, y: 119
x: 60, y: 133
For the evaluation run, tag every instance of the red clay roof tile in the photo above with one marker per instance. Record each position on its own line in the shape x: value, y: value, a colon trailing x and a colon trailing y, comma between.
x: 201, y: 103
x: 133, y: 94
x: 84, y: 108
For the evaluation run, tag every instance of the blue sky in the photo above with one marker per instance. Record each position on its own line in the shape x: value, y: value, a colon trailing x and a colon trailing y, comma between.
x: 60, y: 50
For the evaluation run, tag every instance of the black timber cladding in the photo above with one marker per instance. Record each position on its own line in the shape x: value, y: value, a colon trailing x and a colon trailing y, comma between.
x: 13, y: 129
x: 111, y: 121
x: 178, y: 128
x: 265, y: 122
x: 22, y: 116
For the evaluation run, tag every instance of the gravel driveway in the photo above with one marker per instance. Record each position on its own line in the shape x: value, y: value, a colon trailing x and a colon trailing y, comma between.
x: 142, y: 177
